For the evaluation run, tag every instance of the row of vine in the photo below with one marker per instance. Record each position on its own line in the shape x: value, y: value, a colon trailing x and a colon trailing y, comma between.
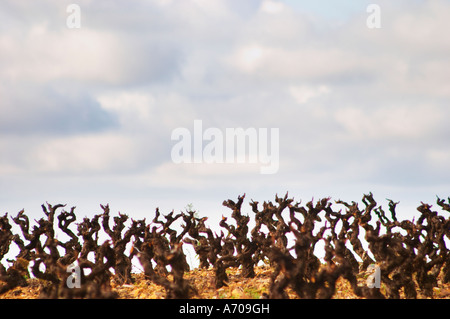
x: 411, y: 255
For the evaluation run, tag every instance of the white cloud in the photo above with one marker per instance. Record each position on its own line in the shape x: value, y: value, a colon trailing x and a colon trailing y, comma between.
x: 302, y: 94
x: 410, y: 122
x: 300, y: 63
x: 164, y: 2
x: 155, y: 66
x: 272, y: 7
x: 45, y: 55
x: 422, y: 27
x: 250, y: 57
x: 199, y: 176
x: 438, y: 158
x: 105, y: 153
x: 131, y: 107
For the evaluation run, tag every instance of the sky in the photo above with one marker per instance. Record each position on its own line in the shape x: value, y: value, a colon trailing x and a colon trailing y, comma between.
x: 86, y: 114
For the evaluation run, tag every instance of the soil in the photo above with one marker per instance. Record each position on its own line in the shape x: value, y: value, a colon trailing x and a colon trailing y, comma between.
x: 203, y: 281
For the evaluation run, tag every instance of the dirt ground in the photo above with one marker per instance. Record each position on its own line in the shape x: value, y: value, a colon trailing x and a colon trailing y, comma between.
x: 203, y: 281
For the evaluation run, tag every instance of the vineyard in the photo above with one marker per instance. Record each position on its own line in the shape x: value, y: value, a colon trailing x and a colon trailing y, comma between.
x: 273, y: 252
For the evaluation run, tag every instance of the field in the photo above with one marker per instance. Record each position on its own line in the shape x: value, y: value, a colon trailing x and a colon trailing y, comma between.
x: 203, y: 281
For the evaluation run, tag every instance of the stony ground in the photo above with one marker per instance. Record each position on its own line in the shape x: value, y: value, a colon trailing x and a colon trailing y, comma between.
x: 203, y: 280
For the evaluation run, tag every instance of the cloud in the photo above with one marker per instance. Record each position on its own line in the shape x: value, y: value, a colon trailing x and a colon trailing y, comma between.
x: 86, y: 154
x: 410, y: 122
x: 31, y: 110
x: 85, y: 56
x: 302, y: 94
x: 272, y: 7
x: 355, y: 106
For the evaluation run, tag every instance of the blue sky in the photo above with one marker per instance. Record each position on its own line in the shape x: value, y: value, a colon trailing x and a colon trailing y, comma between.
x: 87, y: 114
x: 340, y: 10
x: 329, y: 9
